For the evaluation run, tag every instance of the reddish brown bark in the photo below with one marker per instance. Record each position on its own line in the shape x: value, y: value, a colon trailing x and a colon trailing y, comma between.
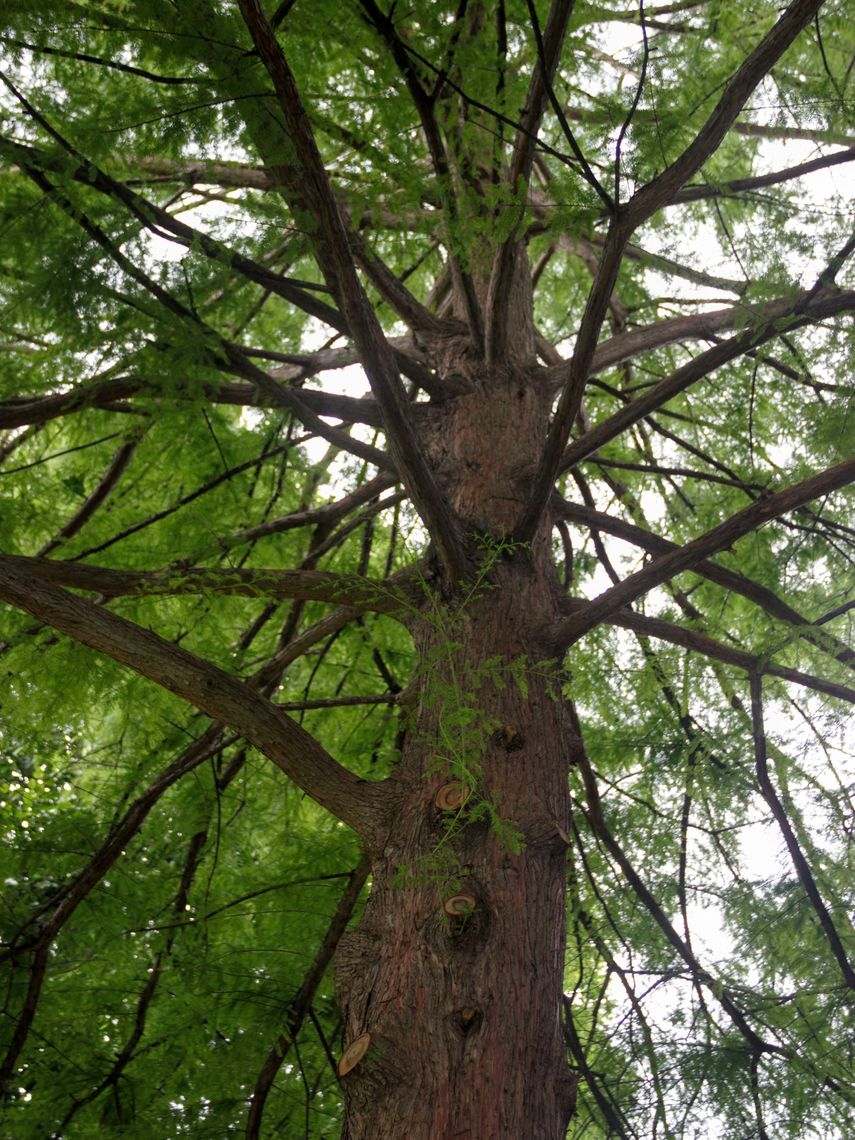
x: 463, y: 1013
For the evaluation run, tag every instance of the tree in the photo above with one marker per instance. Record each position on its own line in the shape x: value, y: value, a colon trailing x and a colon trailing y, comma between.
x: 425, y: 441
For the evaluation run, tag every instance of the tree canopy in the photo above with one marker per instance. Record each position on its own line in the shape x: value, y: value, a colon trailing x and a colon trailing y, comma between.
x: 255, y: 260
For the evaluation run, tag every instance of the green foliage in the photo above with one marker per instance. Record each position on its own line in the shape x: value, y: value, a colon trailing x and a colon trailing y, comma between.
x: 458, y: 694
x: 134, y: 436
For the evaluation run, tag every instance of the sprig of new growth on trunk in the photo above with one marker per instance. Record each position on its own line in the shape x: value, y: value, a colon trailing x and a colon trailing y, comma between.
x: 455, y: 691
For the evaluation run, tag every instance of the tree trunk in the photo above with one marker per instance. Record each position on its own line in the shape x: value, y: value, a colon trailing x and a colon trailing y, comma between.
x: 451, y: 985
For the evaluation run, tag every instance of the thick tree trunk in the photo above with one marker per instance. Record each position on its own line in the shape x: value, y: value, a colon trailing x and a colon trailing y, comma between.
x: 451, y: 985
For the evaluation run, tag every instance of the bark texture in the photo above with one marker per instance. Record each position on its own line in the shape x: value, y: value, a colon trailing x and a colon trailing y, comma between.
x: 462, y: 1010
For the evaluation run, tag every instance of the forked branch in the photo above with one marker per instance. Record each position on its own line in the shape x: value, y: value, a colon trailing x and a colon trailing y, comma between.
x: 625, y: 220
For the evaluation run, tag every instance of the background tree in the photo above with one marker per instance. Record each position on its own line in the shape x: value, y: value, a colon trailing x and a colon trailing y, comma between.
x: 424, y: 434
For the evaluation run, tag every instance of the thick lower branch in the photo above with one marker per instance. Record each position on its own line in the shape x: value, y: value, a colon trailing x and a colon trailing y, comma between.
x: 302, y: 585
x: 223, y: 698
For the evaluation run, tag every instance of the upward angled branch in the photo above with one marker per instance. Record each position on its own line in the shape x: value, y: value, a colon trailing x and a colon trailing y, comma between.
x: 778, y: 317
x: 577, y: 375
x: 306, y: 181
x: 626, y: 219
x: 736, y: 94
x: 212, y: 691
x: 549, y: 54
x: 424, y: 103
x: 686, y: 557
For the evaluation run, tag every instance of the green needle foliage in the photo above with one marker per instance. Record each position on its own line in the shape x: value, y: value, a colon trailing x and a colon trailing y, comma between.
x: 246, y: 548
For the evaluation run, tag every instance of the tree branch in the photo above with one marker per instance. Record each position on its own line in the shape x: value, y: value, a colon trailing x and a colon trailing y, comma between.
x: 303, y: 585
x: 111, y: 392
x: 157, y: 220
x: 781, y: 316
x: 238, y: 360
x: 796, y: 854
x: 737, y: 92
x: 506, y: 264
x: 106, y: 485
x: 577, y: 374
x: 760, y: 181
x: 626, y: 219
x: 729, y: 579
x: 424, y: 105
x: 213, y: 692
x: 308, y: 184
x: 698, y: 326
x: 707, y: 646
x: 600, y: 828
x: 687, y: 557
x: 302, y: 1000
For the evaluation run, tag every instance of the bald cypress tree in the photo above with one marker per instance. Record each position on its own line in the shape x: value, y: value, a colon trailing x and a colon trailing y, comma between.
x: 424, y: 441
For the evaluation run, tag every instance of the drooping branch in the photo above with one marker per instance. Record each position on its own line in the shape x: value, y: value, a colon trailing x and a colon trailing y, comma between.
x: 302, y: 1000
x: 307, y: 182
x: 706, y: 646
x: 213, y: 692
x: 163, y: 224
x: 687, y: 557
x: 54, y: 916
x: 156, y: 971
x: 610, y: 1111
x: 237, y: 359
x: 600, y: 828
x: 106, y: 485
